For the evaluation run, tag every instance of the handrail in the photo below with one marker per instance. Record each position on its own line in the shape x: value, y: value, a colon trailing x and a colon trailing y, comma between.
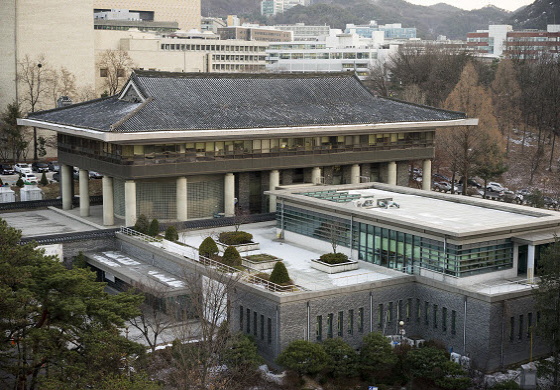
x: 207, y: 262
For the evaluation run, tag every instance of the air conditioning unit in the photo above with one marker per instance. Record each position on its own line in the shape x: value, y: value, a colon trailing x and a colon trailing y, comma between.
x: 455, y: 357
x: 419, y: 343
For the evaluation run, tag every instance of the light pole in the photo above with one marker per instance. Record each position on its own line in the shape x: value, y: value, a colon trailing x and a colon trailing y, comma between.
x: 401, y: 331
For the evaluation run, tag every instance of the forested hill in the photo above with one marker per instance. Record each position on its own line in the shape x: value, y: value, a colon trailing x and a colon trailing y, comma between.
x: 439, y: 19
x: 536, y: 15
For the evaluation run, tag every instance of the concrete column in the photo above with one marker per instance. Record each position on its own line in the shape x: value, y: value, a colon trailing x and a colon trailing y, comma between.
x: 392, y: 173
x: 108, y: 201
x: 355, y: 174
x: 515, y: 257
x: 530, y: 263
x: 229, y: 195
x: 66, y: 180
x: 130, y: 202
x: 427, y: 174
x: 181, y: 198
x: 84, y: 193
x: 273, y: 183
x: 316, y: 175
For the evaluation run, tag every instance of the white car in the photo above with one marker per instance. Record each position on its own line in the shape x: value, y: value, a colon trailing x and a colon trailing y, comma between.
x: 496, y: 187
x: 22, y: 168
x: 29, y: 178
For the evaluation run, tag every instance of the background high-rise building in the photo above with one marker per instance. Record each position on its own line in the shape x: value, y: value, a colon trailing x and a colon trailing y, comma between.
x: 185, y: 12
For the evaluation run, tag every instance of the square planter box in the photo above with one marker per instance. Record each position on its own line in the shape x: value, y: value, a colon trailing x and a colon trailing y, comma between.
x: 250, y: 246
x: 334, y: 268
x: 261, y: 264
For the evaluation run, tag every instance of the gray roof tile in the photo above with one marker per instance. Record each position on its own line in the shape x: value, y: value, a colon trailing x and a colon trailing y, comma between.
x: 182, y: 101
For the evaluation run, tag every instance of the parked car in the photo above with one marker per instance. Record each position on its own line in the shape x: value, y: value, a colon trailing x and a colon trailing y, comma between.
x: 40, y: 167
x: 95, y: 175
x: 54, y: 166
x: 471, y: 182
x: 496, y: 187
x: 440, y: 177
x: 22, y: 168
x: 549, y: 202
x: 443, y: 186
x: 491, y: 194
x: 56, y: 176
x: 523, y: 192
x: 76, y: 173
x: 29, y: 178
x: 7, y: 169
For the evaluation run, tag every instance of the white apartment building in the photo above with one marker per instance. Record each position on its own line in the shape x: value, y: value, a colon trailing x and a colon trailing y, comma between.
x: 274, y: 7
x: 337, y: 53
x: 303, y: 32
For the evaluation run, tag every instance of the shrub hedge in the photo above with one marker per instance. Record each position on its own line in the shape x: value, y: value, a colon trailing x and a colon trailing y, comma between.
x: 235, y: 238
x: 334, y: 258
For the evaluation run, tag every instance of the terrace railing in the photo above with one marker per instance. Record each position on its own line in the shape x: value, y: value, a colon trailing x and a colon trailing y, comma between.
x: 190, y: 253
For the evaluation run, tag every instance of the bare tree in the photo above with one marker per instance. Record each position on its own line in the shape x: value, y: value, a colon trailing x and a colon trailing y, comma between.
x: 378, y: 79
x: 35, y: 76
x: 505, y: 99
x: 114, y: 67
x: 62, y: 83
x: 198, y: 363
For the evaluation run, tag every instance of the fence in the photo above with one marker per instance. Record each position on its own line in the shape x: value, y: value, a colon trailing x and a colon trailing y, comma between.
x: 191, y: 253
x: 37, y: 204
x: 70, y: 237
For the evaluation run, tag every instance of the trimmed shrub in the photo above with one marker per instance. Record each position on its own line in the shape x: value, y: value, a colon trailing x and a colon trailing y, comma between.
x: 334, y: 258
x: 153, y: 230
x: 171, y: 233
x: 208, y: 248
x: 142, y: 225
x: 20, y: 183
x: 280, y: 274
x: 303, y: 357
x: 235, y: 238
x: 44, y: 181
x: 231, y: 257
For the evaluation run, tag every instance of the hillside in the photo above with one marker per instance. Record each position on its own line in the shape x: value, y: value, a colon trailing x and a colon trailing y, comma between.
x: 536, y: 15
x: 439, y: 19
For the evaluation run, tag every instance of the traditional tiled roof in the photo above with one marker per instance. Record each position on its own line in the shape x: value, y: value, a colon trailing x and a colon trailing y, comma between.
x: 195, y: 101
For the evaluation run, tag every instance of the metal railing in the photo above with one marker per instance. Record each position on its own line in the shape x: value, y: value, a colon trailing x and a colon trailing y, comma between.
x: 35, y: 204
x: 191, y: 253
x: 500, y: 288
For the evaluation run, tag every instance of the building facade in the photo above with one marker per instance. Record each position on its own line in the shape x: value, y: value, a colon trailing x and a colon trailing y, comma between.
x: 255, y: 34
x: 185, y: 12
x: 177, y: 145
x: 303, y: 32
x: 390, y: 31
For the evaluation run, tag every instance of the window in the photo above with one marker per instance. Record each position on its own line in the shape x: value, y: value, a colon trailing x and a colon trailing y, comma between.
x: 418, y: 310
x: 529, y: 324
x: 241, y: 314
x: 350, y: 321
x: 103, y: 72
x: 520, y: 330
x: 380, y: 316
x: 444, y: 319
x: 408, y: 308
x: 248, y: 320
x: 453, y: 322
x: 361, y: 319
x: 399, y: 311
x: 435, y: 316
x: 262, y: 327
x: 511, y: 328
x: 121, y: 72
x: 319, y: 328
x: 254, y: 323
x: 269, y: 331
x: 340, y: 324
x: 426, y: 313
x: 390, y: 313
x: 330, y: 319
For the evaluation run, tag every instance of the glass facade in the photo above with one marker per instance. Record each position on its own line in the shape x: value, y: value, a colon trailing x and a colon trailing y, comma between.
x: 253, y: 148
x: 398, y: 250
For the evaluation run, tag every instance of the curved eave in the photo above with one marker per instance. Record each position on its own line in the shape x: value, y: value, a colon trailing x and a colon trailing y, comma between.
x: 188, y: 135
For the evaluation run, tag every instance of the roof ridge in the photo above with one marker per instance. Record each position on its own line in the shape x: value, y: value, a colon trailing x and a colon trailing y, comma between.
x: 120, y: 122
x: 185, y: 75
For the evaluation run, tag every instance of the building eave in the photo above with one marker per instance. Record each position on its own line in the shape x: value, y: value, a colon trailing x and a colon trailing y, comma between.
x: 190, y: 135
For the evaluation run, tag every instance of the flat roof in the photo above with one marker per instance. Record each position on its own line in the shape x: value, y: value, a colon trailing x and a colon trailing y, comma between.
x: 455, y: 215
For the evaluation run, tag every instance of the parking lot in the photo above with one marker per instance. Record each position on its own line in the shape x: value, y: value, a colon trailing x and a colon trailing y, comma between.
x: 12, y: 179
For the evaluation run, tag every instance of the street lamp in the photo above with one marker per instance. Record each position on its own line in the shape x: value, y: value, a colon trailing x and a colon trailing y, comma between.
x: 401, y: 331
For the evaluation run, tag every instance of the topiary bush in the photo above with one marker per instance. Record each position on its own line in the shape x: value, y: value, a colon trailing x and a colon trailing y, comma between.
x: 44, y: 181
x: 280, y: 274
x: 235, y: 238
x: 153, y: 230
x: 20, y: 183
x: 334, y: 258
x: 142, y: 225
x: 171, y: 233
x: 208, y: 248
x: 231, y: 257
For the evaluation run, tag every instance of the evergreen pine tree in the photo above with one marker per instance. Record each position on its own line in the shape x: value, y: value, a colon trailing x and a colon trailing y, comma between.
x: 153, y: 230
x: 231, y: 257
x: 171, y: 233
x: 279, y: 274
x: 208, y: 248
x: 44, y: 181
x: 142, y: 225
